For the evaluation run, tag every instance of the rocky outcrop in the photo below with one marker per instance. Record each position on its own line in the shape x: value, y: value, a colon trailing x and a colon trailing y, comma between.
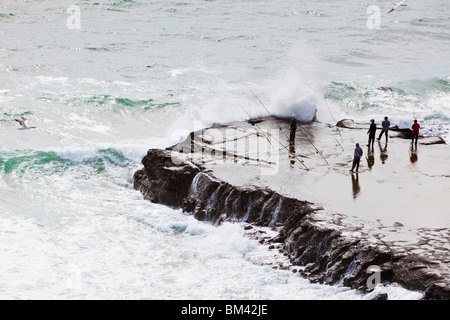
x: 213, y: 200
x: 404, y: 133
x: 323, y: 252
x: 184, y: 185
x: 163, y: 181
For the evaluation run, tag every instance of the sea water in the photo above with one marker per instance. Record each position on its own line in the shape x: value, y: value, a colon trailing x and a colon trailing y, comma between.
x: 103, y: 81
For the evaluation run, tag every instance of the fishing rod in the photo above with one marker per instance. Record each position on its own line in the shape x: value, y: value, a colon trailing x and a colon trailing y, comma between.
x: 299, y: 160
x: 293, y: 153
x: 339, y: 144
x: 337, y: 128
x: 317, y: 150
x: 259, y: 128
x: 339, y: 131
x: 259, y: 101
x: 279, y: 127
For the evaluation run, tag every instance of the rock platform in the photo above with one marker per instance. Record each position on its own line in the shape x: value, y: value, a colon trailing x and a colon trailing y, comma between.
x: 387, y: 223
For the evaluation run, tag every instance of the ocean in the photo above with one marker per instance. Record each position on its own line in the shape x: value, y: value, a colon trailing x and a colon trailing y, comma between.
x: 104, y: 81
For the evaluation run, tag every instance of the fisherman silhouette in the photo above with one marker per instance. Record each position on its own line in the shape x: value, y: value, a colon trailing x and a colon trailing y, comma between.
x: 385, y: 128
x: 371, y: 132
x: 356, y: 157
x: 415, y: 132
x: 293, y: 128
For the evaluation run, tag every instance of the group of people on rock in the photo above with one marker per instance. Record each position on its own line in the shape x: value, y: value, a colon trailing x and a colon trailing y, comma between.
x: 384, y: 130
x: 385, y: 125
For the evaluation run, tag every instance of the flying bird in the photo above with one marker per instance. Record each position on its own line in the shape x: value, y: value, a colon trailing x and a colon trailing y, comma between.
x: 22, y: 123
x: 397, y: 5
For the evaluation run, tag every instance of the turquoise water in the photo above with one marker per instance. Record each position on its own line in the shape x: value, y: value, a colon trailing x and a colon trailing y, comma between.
x: 138, y: 73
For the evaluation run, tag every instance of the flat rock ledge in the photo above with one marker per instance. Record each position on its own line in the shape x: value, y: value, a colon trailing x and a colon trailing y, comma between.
x: 317, y: 250
x: 395, y: 131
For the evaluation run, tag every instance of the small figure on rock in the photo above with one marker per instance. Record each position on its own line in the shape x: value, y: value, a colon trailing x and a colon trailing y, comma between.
x: 293, y: 128
x: 415, y: 132
x: 356, y: 158
x: 371, y: 132
x: 385, y: 128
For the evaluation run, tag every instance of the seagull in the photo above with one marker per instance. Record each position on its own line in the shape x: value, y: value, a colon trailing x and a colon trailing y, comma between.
x: 397, y: 5
x: 22, y: 123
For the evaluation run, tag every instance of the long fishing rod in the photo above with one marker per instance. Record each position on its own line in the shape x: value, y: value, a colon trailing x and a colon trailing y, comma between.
x: 299, y: 160
x: 293, y: 153
x: 339, y: 144
x: 337, y: 128
x: 259, y: 128
x: 267, y: 110
x: 259, y: 101
x: 317, y: 150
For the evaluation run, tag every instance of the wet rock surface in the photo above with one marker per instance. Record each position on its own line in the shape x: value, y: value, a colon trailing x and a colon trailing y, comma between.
x: 247, y: 172
x: 394, y: 131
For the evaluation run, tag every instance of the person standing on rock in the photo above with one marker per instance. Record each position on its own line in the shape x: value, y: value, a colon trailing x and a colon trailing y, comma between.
x: 385, y: 128
x: 415, y: 132
x: 293, y: 128
x: 356, y: 157
x: 371, y: 132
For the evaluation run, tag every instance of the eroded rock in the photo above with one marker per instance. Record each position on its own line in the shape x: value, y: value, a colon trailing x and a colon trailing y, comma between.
x: 325, y: 251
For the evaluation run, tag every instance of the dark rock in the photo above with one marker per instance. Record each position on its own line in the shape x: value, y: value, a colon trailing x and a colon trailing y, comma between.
x: 326, y: 253
x: 417, y: 273
x: 431, y: 140
x: 162, y: 180
x: 394, y: 131
x: 328, y: 256
x: 437, y: 290
x: 381, y: 296
x: 252, y: 205
x: 255, y: 121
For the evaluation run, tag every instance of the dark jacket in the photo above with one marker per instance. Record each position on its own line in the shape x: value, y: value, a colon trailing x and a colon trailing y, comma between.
x: 372, y: 129
x: 385, y: 124
x: 358, y: 152
x: 293, y: 124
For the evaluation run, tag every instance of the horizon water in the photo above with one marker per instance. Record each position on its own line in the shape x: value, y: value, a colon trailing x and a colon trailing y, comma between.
x: 135, y: 75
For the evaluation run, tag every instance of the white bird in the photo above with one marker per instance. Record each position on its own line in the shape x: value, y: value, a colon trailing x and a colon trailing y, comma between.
x: 397, y: 5
x: 22, y: 123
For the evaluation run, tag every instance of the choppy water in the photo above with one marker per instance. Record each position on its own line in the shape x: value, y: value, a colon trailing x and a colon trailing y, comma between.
x: 136, y: 75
